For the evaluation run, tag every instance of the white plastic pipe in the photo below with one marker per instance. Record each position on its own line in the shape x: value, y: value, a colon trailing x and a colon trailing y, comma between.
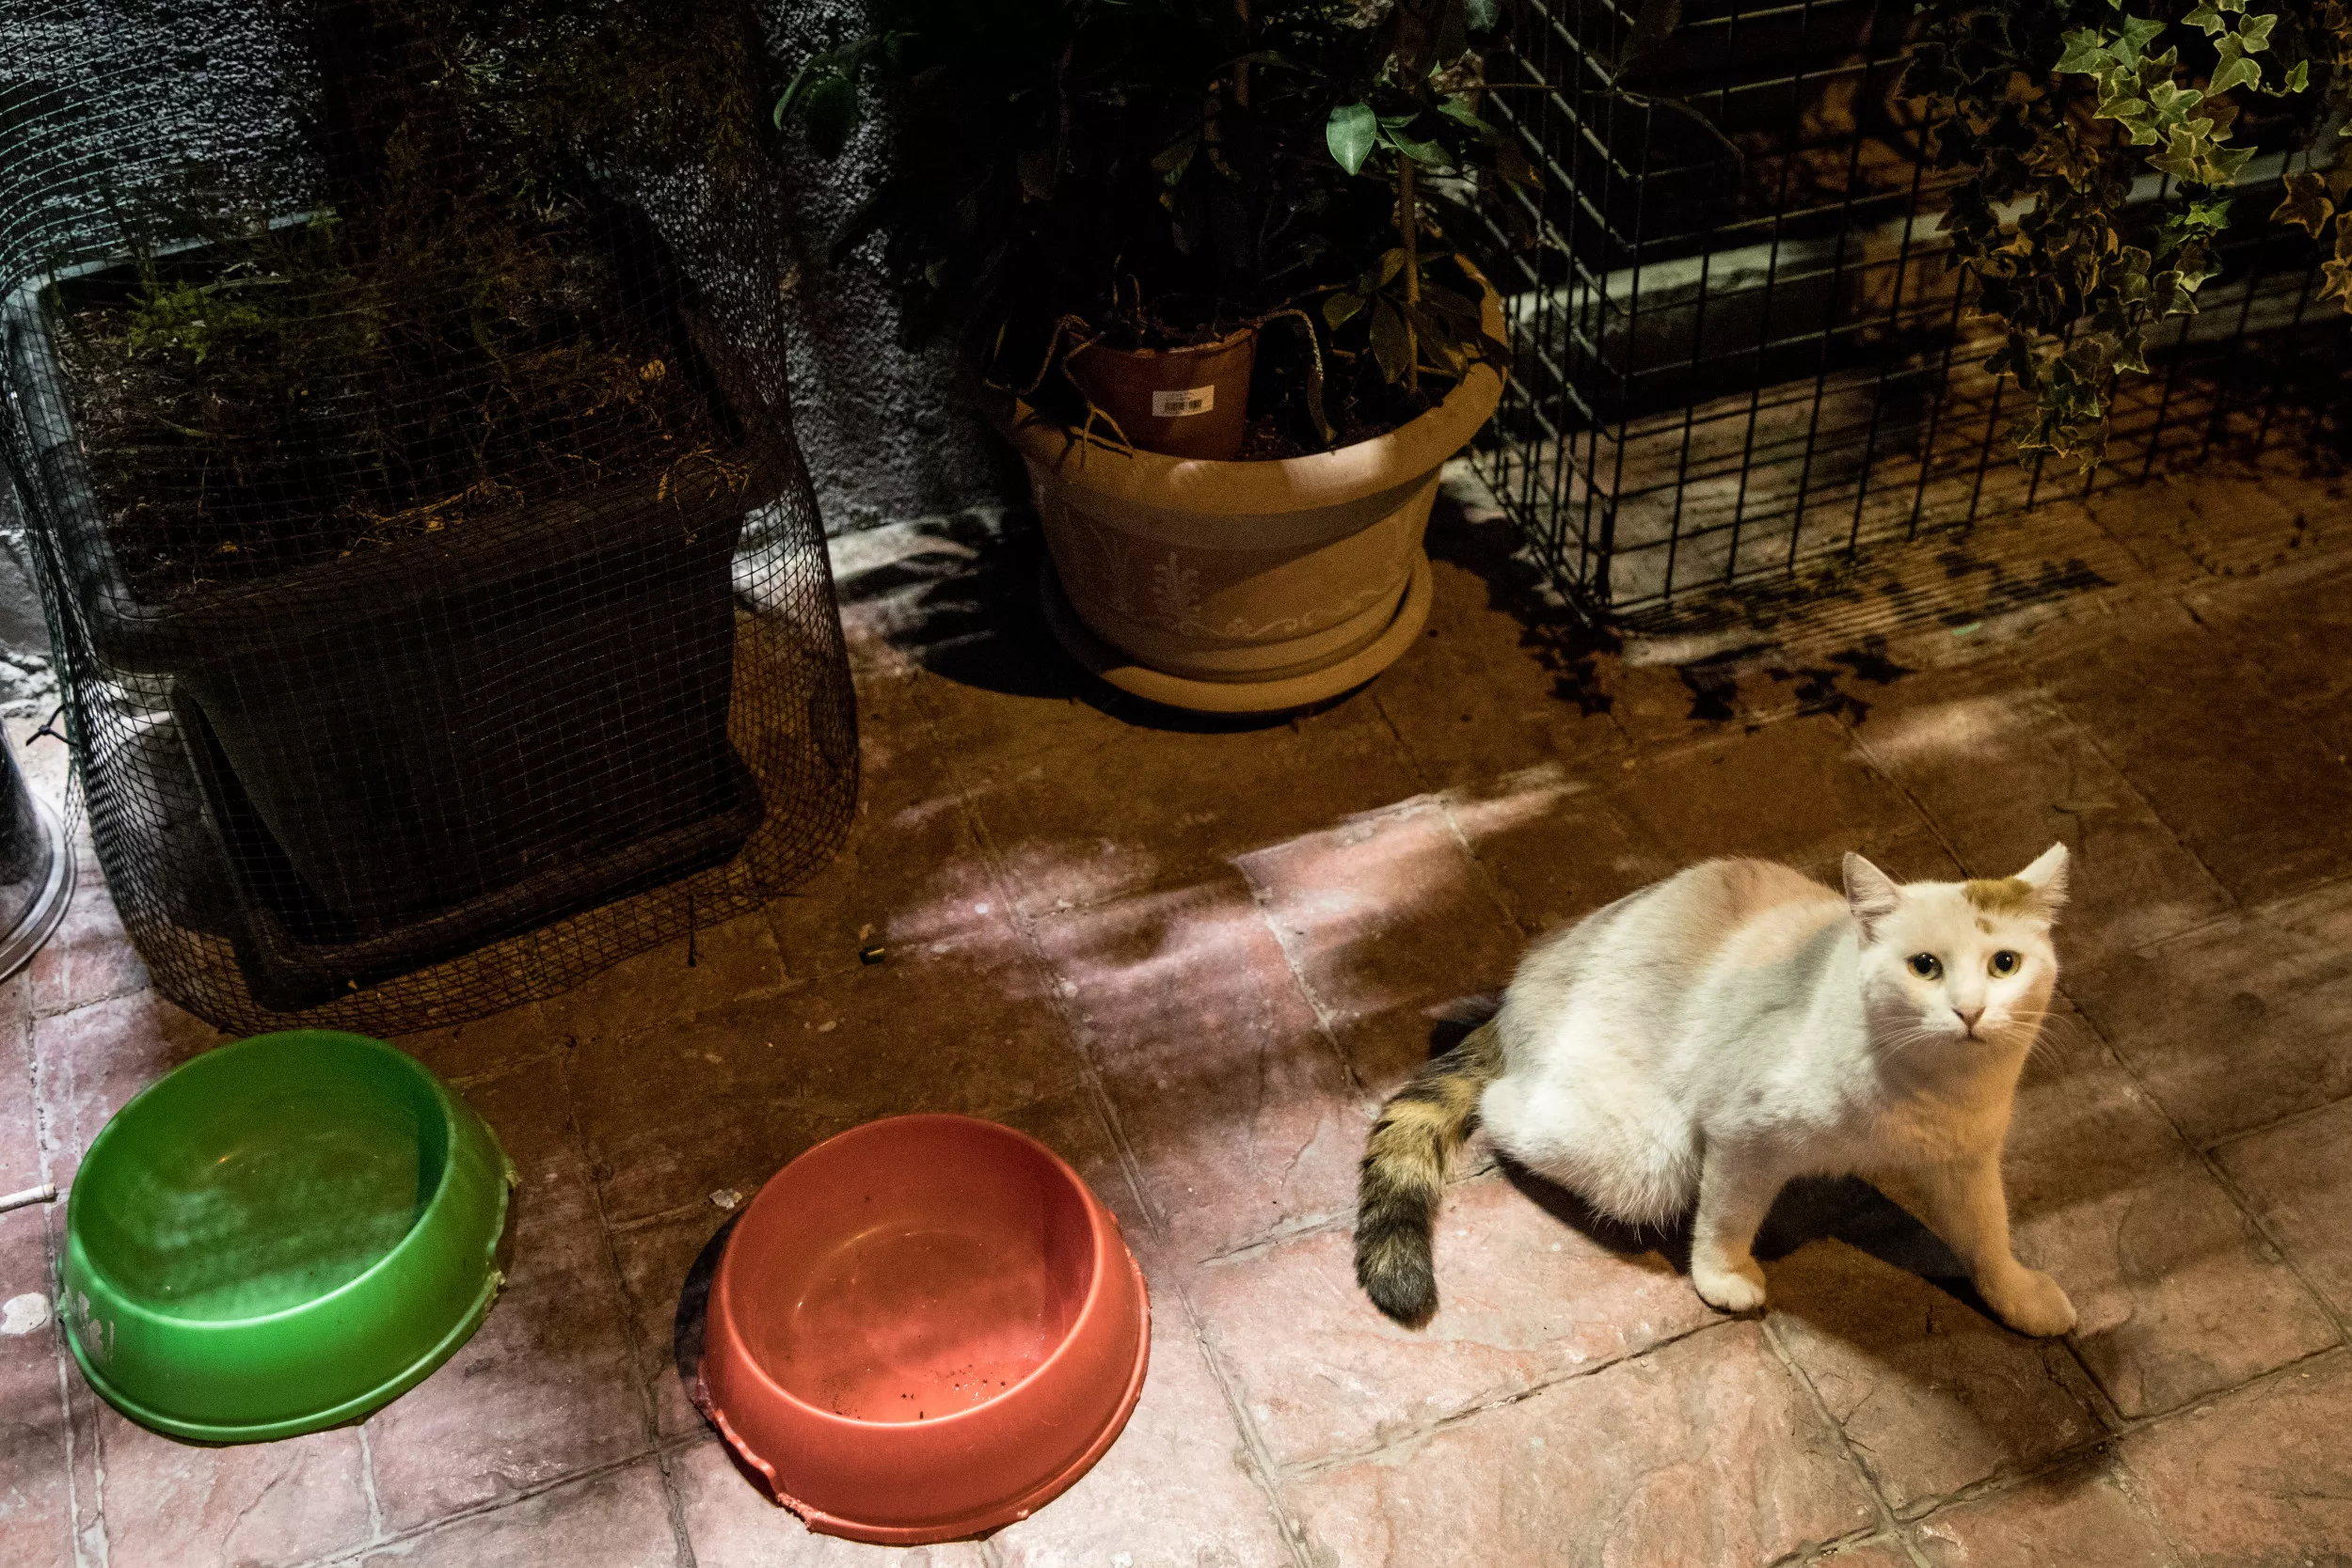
x: 45, y: 1193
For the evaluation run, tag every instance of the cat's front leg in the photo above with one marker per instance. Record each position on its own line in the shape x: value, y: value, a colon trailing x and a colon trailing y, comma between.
x: 1735, y: 1191
x: 1966, y: 1205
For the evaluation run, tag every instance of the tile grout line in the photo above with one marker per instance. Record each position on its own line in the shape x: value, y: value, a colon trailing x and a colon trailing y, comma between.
x: 2221, y: 1176
x: 1888, y: 1522
x: 2292, y: 1118
x: 1262, y: 1474
x: 1074, y: 1034
x: 1919, y: 813
x: 1467, y: 1413
x: 47, y: 1127
x: 1259, y: 900
x: 2061, y: 711
x: 1026, y: 925
x: 1265, y: 1474
x: 2278, y: 907
x: 649, y: 1406
x: 487, y: 1509
x: 367, y: 1484
x: 2104, y: 1407
x: 2002, y: 1484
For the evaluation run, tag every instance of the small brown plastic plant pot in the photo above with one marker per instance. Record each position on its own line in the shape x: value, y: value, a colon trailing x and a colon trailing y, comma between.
x: 1183, y: 402
x: 922, y: 1329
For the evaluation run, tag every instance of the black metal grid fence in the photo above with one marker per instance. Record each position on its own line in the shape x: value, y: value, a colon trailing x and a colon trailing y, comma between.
x: 1739, y: 346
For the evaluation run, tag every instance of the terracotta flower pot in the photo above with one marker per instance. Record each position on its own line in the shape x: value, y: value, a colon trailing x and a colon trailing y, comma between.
x: 1234, y: 587
x: 1184, y: 402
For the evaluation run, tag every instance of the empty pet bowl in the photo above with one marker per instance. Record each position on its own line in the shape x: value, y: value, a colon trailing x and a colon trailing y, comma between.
x: 924, y: 1328
x: 281, y: 1235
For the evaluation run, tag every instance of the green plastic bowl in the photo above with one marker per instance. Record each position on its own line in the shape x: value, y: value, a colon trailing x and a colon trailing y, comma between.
x: 282, y: 1235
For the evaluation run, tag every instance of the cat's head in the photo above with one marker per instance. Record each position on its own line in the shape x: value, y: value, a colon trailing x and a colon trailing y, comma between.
x: 1959, y: 963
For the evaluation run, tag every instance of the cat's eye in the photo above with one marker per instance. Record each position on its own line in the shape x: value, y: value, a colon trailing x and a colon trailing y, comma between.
x: 2006, y: 962
x: 1926, y: 965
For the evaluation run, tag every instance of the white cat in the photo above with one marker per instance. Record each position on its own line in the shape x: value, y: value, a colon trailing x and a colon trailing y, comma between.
x: 1708, y: 1037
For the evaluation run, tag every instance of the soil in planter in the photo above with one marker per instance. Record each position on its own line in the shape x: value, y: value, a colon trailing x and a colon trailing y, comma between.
x: 306, y: 398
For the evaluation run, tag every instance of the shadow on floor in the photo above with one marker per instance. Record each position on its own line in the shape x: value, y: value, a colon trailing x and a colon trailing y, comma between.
x: 970, y: 612
x: 1845, y: 1209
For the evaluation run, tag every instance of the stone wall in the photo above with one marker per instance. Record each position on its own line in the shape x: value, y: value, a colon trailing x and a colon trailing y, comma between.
x: 885, y: 433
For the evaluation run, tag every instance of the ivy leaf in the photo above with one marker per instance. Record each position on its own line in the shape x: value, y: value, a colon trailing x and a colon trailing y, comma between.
x: 2253, y: 34
x: 2338, y: 284
x: 2172, y: 103
x: 2179, y: 158
x: 1351, y: 133
x: 2086, y: 54
x: 1480, y: 16
x: 2207, y: 16
x: 2235, y: 70
x: 2299, y: 77
x: 2131, y: 352
x: 2139, y: 33
x: 2306, y: 203
x: 2227, y: 160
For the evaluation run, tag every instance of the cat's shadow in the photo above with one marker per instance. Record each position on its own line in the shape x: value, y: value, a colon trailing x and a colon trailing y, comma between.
x: 1845, y: 1209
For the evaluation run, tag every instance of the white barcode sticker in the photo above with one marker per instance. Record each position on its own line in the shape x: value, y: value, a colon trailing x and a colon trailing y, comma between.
x: 1182, y: 401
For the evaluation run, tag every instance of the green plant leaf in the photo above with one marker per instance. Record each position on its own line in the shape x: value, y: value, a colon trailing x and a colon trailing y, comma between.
x: 2234, y: 70
x: 1482, y: 16
x: 2139, y: 33
x: 1351, y: 133
x: 1420, y: 151
x: 2086, y: 54
x: 1340, y: 308
x: 1457, y: 107
x: 2305, y: 204
x: 830, y: 111
x: 2253, y: 34
x: 1391, y: 343
x: 2208, y: 17
x: 2228, y: 162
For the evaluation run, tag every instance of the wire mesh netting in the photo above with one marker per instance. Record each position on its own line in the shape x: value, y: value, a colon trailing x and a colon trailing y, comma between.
x: 1739, y: 348
x: 396, y: 398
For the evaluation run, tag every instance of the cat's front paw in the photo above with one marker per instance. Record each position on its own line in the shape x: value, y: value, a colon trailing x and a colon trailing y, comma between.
x: 1729, y: 1287
x: 2031, y: 1302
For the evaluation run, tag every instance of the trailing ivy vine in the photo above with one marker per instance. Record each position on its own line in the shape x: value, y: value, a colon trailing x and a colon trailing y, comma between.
x: 2054, y: 109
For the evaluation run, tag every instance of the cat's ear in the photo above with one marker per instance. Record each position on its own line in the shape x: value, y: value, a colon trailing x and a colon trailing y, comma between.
x: 1870, y: 893
x: 2046, y: 876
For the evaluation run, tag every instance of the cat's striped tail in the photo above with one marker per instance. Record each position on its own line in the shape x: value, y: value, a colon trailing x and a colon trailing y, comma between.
x: 1404, y: 1175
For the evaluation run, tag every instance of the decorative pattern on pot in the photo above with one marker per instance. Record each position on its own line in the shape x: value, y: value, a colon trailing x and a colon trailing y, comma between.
x: 1206, y: 593
x: 1199, y: 582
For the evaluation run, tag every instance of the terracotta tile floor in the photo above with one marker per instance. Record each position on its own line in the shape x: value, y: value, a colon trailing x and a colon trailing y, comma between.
x: 1194, y: 959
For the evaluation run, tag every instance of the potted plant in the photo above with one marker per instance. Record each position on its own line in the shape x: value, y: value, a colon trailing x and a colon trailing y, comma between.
x: 415, y: 505
x: 1198, y: 256
x: 2058, y: 116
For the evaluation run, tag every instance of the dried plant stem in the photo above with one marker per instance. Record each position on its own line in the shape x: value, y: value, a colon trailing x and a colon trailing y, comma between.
x: 1409, y: 218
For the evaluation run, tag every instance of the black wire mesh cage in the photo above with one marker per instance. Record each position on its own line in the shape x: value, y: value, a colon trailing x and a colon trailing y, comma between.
x: 1739, y: 348
x: 395, y: 397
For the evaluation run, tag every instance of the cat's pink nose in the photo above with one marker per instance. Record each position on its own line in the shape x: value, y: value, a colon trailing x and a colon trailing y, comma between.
x: 1968, y: 1017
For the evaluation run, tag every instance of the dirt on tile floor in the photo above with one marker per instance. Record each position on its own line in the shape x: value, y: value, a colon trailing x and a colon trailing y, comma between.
x: 1194, y: 956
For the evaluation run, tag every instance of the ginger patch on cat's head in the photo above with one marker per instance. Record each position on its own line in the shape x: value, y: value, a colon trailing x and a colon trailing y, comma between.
x: 2001, y: 894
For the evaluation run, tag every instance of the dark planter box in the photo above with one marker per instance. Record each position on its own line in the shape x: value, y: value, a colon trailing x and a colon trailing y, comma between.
x: 460, y: 735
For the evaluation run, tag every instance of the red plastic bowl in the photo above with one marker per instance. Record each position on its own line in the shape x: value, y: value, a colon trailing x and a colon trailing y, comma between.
x: 924, y: 1328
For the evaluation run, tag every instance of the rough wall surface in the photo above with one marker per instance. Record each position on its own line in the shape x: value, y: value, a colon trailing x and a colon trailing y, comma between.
x: 885, y: 431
